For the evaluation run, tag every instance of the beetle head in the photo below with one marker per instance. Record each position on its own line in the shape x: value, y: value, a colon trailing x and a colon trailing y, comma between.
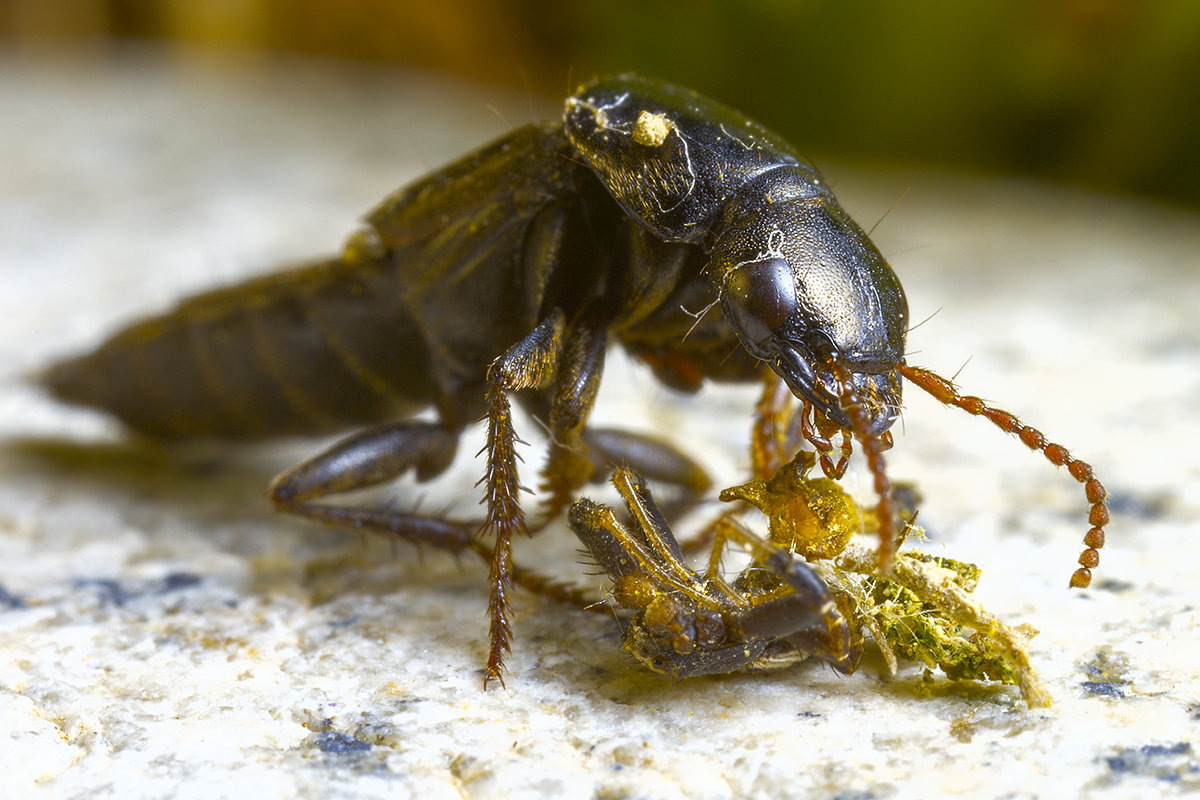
x: 809, y: 293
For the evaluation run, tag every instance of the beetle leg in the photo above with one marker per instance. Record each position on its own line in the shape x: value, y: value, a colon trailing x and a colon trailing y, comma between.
x: 610, y: 448
x: 383, y: 453
x: 776, y: 434
x: 770, y: 437
x: 578, y: 454
x: 647, y: 456
x: 368, y: 458
x: 529, y: 364
x: 568, y: 466
x: 774, y: 440
x: 536, y: 582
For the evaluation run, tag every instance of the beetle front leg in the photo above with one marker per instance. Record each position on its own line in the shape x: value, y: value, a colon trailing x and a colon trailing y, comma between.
x: 774, y: 441
x: 771, y: 441
x: 529, y: 364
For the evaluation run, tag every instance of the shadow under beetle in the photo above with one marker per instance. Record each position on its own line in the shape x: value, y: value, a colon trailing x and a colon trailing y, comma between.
x: 510, y: 270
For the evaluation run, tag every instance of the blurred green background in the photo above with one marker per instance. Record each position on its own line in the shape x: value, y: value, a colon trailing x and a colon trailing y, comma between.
x: 1099, y: 93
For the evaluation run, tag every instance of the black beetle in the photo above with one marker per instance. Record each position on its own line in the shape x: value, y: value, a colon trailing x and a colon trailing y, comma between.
x: 511, y: 269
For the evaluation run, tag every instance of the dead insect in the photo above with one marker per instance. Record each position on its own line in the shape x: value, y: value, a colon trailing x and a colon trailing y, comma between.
x: 807, y: 591
x: 690, y: 624
x: 510, y: 270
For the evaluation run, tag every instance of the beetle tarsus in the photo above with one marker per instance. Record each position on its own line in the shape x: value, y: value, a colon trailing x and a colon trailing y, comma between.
x: 368, y: 458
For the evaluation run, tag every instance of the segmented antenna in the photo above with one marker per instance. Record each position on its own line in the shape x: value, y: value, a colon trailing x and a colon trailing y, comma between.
x: 944, y: 391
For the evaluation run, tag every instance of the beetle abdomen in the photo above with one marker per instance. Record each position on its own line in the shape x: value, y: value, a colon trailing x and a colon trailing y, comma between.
x: 320, y: 348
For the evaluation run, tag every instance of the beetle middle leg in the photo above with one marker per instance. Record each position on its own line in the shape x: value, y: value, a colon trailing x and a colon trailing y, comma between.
x: 611, y: 448
x: 579, y: 454
x: 774, y: 440
x: 777, y: 433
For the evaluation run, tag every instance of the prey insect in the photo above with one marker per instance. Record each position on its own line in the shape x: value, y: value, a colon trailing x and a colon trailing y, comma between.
x: 807, y: 592
x: 510, y: 271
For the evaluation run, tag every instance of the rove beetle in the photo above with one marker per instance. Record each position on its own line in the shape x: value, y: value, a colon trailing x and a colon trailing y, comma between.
x: 510, y: 270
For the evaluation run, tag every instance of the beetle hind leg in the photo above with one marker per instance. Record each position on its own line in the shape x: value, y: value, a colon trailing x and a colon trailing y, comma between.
x: 369, y: 458
x: 383, y: 453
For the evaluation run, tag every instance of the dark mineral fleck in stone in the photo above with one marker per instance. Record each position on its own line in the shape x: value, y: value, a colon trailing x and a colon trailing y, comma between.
x: 338, y: 743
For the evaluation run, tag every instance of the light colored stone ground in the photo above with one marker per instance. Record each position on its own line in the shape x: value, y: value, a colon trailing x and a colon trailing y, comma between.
x: 162, y: 634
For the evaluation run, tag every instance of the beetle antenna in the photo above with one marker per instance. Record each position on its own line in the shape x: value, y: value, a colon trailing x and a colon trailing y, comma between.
x: 944, y: 391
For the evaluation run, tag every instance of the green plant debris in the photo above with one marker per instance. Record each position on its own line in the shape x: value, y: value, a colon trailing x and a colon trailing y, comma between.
x: 927, y: 615
x: 923, y: 611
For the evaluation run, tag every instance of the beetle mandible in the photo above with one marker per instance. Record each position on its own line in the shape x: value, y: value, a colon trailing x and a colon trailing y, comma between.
x: 510, y: 270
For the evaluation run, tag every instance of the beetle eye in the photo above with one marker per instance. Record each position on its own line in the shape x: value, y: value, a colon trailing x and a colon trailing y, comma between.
x: 759, y: 296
